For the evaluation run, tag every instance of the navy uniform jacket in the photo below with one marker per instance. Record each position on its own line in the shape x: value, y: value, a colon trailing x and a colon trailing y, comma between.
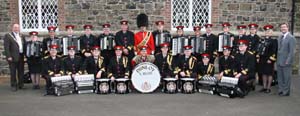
x: 227, y: 65
x: 164, y: 64
x: 245, y: 64
x: 52, y: 66
x: 118, y: 69
x: 72, y: 65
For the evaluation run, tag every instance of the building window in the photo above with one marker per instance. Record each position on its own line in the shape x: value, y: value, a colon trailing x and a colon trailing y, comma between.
x: 189, y: 13
x: 38, y: 14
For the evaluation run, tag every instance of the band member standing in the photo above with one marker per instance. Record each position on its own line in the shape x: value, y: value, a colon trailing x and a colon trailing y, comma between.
x: 52, y: 67
x: 118, y: 66
x: 164, y: 61
x: 179, y: 39
x: 226, y: 34
x: 95, y: 63
x: 266, y: 57
x: 107, y: 42
x: 34, y: 59
x: 72, y: 40
x: 204, y: 68
x: 285, y: 58
x: 245, y: 66
x: 126, y: 38
x: 185, y: 64
x: 211, y: 43
x: 14, y: 50
x: 242, y: 35
x: 142, y: 57
x: 253, y: 37
x: 143, y: 37
x: 52, y: 40
x: 87, y: 41
x: 72, y: 63
x: 226, y: 63
x: 160, y: 35
x: 197, y: 32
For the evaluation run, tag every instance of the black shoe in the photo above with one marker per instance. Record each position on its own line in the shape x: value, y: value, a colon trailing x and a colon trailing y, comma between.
x: 280, y: 93
x: 268, y: 91
x: 263, y: 90
x: 38, y: 87
x: 22, y: 87
x: 287, y: 94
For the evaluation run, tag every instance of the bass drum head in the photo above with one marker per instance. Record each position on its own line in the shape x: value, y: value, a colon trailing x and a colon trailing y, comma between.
x: 145, y: 77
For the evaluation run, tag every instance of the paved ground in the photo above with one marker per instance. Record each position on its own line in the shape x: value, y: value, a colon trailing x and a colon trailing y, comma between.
x: 32, y: 103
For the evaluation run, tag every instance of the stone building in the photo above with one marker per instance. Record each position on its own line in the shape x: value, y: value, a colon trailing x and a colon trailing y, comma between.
x: 38, y: 14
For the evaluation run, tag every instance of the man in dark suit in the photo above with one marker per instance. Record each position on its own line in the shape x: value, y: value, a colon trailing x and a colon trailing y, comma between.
x: 285, y: 57
x: 14, y: 48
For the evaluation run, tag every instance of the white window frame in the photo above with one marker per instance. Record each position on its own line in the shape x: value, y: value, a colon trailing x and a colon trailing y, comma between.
x: 190, y: 28
x: 40, y: 28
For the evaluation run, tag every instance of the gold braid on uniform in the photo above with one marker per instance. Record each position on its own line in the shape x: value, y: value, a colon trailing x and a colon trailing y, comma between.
x: 125, y: 62
x: 169, y: 61
x: 209, y: 69
x: 100, y: 60
x: 273, y: 58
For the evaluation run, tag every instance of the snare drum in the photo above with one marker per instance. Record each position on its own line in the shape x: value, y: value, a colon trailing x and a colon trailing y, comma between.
x: 103, y: 86
x: 187, y: 85
x: 145, y: 77
x: 170, y: 85
x: 122, y: 86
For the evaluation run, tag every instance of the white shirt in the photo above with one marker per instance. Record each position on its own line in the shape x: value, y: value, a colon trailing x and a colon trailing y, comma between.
x: 19, y: 41
x: 284, y: 35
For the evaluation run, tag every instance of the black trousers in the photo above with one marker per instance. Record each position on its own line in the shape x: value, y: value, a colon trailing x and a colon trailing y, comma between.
x: 17, y: 72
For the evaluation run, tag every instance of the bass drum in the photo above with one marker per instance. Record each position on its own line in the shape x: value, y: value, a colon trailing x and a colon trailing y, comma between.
x: 145, y: 77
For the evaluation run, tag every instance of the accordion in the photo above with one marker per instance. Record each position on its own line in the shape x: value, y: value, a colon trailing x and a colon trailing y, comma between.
x: 34, y: 49
x: 70, y: 41
x: 84, y: 83
x: 199, y: 44
x: 56, y: 41
x: 177, y: 44
x: 162, y: 38
x: 228, y: 87
x: 62, y: 85
x: 224, y: 40
x: 207, y: 84
x: 262, y: 47
x: 107, y: 42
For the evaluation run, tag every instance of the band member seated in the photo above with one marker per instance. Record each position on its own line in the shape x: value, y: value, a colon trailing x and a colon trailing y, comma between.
x: 143, y: 37
x: 245, y: 66
x: 253, y: 37
x: 125, y: 38
x: 204, y: 68
x: 143, y: 57
x: 72, y: 63
x: 87, y: 41
x: 34, y: 59
x: 226, y: 32
x: 107, y: 42
x: 118, y: 66
x: 164, y: 61
x: 226, y: 63
x: 185, y: 64
x: 52, y: 40
x: 52, y: 67
x: 211, y: 43
x: 266, y: 57
x: 241, y: 35
x: 95, y: 63
x: 160, y: 35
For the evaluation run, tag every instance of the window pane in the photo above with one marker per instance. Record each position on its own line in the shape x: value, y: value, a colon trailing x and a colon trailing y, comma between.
x: 29, y: 14
x: 180, y: 13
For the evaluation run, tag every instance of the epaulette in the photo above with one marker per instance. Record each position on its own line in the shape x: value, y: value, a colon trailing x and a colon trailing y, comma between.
x: 46, y: 57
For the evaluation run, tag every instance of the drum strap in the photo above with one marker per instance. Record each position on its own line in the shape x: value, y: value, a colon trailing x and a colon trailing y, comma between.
x: 125, y: 61
x: 191, y: 63
x: 145, y: 40
x: 100, y: 61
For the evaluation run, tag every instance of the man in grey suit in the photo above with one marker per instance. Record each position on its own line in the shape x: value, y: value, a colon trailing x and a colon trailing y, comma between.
x: 285, y: 57
x: 14, y: 49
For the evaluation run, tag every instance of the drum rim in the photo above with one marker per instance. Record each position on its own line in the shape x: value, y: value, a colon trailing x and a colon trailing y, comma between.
x: 122, y: 79
x: 102, y: 79
x: 170, y: 79
x: 187, y: 79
